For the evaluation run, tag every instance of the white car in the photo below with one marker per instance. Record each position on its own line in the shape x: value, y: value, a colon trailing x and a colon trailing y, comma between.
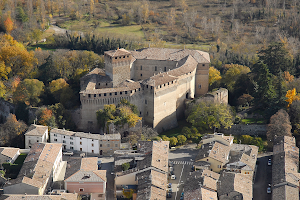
x: 173, y: 177
x: 68, y: 153
x: 269, y: 162
x: 269, y: 190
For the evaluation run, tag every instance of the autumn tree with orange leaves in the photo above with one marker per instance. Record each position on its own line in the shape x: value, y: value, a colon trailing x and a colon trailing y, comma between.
x: 9, y: 25
x: 46, y: 117
x: 16, y: 57
x: 11, y: 132
x: 291, y: 96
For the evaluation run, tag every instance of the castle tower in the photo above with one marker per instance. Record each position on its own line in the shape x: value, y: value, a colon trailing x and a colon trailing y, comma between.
x: 117, y: 65
x: 201, y: 79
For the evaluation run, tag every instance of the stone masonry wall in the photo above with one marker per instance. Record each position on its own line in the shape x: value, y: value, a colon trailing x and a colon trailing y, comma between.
x: 243, y: 129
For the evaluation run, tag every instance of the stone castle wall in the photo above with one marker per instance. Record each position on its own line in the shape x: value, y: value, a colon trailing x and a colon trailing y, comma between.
x: 243, y: 129
x: 160, y: 106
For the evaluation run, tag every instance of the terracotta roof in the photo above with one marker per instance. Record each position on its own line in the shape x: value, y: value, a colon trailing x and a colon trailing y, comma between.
x: 9, y: 151
x: 115, y: 136
x: 159, y: 79
x: 36, y: 130
x: 87, y: 176
x: 235, y: 184
x: 194, y: 184
x: 170, y: 54
x: 89, y: 164
x: 118, y: 52
x: 211, y: 174
x: 38, y: 165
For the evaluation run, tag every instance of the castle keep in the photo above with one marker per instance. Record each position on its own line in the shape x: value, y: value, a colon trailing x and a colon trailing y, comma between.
x: 157, y: 81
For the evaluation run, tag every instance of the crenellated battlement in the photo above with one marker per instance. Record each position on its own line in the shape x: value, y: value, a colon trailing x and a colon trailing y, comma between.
x: 157, y: 81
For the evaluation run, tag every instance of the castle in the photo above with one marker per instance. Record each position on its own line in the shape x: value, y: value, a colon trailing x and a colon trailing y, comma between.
x: 158, y: 81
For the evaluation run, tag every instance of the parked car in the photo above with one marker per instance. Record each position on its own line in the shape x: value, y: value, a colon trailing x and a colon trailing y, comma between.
x: 181, y: 196
x: 173, y: 177
x: 169, y: 189
x: 171, y: 169
x: 68, y: 153
x: 269, y: 190
x: 269, y: 162
x: 171, y: 173
x: 169, y: 185
x: 169, y: 195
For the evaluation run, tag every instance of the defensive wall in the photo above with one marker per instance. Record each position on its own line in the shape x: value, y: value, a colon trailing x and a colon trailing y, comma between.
x: 244, y: 129
x: 157, y: 81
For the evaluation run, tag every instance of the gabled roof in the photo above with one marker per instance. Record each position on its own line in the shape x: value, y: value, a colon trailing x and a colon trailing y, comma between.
x: 214, y: 150
x: 9, y: 152
x: 88, y: 176
x: 36, y: 130
x: 170, y: 54
x: 89, y: 164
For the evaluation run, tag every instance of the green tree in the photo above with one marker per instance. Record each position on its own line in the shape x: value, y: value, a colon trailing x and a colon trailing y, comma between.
x: 165, y: 138
x: 128, y: 193
x: 265, y: 92
x: 207, y: 115
x: 173, y: 141
x: 125, y: 166
x: 28, y: 91
x: 21, y: 15
x: 181, y: 139
x: 276, y: 58
x: 233, y: 73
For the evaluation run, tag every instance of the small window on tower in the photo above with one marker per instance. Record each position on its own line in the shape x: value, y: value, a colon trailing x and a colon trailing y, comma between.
x: 141, y: 67
x: 203, y: 65
x: 123, y: 56
x: 89, y: 95
x: 116, y: 58
x: 141, y: 74
x: 165, y: 69
x: 94, y: 95
x: 199, y: 86
x: 155, y: 68
x: 116, y: 93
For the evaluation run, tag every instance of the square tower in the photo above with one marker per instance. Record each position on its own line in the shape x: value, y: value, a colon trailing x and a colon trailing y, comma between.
x: 117, y: 65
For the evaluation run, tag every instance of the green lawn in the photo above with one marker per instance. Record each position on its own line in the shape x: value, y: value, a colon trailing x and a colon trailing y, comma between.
x: 253, y: 121
x: 133, y: 31
x: 12, y: 170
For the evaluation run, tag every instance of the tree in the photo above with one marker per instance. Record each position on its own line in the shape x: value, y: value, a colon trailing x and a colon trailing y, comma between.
x: 62, y: 92
x: 46, y: 117
x: 214, y: 75
x: 16, y: 57
x: 11, y: 132
x: 125, y: 166
x: 291, y: 96
x: 245, y: 99
x: 265, y: 92
x: 28, y: 91
x: 9, y: 25
x: 279, y: 125
x: 275, y: 56
x: 165, y: 138
x: 233, y: 73
x: 207, y: 115
x: 128, y: 193
x: 181, y: 139
x: 173, y: 141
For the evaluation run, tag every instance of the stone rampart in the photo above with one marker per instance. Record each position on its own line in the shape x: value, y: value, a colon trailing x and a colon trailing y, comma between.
x: 244, y: 129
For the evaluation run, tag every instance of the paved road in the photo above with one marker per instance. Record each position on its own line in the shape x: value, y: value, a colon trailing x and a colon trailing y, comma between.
x: 183, y: 160
x: 262, y: 179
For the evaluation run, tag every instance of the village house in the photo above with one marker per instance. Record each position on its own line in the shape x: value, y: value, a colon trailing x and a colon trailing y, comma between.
x: 213, y: 156
x: 35, y: 133
x: 8, y: 155
x: 149, y: 172
x: 86, y: 142
x: 41, y: 166
x: 202, y: 185
x: 233, y: 185
x: 242, y: 159
x: 60, y: 196
x: 157, y: 80
x: 285, y: 166
x: 88, y: 180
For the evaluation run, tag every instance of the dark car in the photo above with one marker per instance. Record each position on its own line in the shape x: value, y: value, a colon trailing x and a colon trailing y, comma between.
x: 169, y: 195
x: 169, y: 185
